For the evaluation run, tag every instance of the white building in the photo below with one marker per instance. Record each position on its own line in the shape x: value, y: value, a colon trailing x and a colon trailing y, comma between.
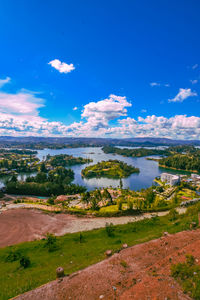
x: 170, y: 179
x: 195, y: 176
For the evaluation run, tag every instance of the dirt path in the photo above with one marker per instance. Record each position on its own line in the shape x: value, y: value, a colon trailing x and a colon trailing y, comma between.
x: 20, y: 225
x: 141, y: 272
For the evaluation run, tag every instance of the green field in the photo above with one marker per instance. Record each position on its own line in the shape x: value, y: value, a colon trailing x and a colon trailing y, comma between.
x: 74, y: 254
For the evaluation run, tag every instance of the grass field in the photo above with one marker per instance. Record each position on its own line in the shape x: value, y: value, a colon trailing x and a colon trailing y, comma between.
x: 74, y: 255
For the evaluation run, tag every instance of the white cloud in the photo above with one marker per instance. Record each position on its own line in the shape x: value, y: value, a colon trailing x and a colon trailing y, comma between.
x: 98, y: 114
x: 19, y: 116
x: 154, y: 84
x: 159, y: 84
x: 62, y: 67
x: 22, y: 103
x: 194, y: 81
x: 182, y: 95
x: 75, y: 108
x: 4, y: 81
x: 195, y: 66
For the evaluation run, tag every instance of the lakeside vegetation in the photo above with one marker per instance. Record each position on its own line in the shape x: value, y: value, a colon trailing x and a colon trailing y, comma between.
x: 55, y: 182
x: 13, y: 162
x: 185, y: 162
x: 139, y: 152
x: 109, y: 169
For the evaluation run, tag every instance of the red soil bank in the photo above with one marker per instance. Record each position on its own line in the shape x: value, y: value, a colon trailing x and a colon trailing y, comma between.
x: 139, y: 272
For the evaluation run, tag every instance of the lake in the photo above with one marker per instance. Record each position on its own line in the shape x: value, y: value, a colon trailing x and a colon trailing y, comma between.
x: 148, y: 169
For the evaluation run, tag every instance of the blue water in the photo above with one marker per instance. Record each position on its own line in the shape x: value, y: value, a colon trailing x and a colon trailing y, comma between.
x: 148, y: 169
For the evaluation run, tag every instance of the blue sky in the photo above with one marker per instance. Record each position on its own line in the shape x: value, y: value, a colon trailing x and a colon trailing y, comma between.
x: 100, y: 68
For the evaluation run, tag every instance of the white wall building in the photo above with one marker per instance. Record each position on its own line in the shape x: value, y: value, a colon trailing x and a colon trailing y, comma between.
x: 171, y: 179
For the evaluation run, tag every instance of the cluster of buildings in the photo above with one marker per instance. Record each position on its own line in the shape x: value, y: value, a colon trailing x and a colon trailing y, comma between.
x: 170, y: 179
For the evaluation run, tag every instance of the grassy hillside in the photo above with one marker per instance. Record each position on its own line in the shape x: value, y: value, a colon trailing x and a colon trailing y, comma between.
x: 75, y: 252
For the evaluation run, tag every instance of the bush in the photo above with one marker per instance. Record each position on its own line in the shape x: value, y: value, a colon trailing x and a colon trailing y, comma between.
x: 173, y: 214
x: 110, y: 229
x: 188, y: 275
x: 13, y: 255
x: 192, y: 210
x: 51, y: 200
x: 25, y: 261
x: 51, y: 242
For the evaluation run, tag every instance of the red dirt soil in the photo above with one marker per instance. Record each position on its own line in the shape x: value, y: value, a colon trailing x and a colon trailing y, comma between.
x: 139, y: 272
x: 20, y: 225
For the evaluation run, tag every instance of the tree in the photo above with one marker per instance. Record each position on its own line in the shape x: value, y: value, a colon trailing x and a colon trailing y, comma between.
x: 86, y: 197
x: 25, y: 261
x: 120, y: 184
x: 51, y: 242
x: 41, y: 177
x: 149, y: 196
x: 106, y: 195
x: 14, y: 178
x: 43, y: 168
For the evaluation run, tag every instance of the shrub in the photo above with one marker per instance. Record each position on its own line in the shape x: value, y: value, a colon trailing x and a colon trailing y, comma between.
x: 51, y: 242
x: 24, y: 261
x: 130, y: 204
x: 110, y: 229
x: 51, y: 200
x: 173, y: 214
x: 81, y: 238
x: 188, y: 275
x: 13, y: 255
x: 190, y: 260
x: 192, y: 210
x: 123, y: 263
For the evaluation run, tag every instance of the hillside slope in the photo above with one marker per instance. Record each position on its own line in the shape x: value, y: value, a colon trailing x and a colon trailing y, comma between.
x: 139, y: 272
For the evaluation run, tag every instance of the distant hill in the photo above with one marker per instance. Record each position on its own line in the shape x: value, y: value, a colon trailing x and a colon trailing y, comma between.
x: 87, y: 141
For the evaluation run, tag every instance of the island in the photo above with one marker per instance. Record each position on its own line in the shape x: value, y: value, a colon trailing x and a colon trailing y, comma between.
x: 109, y: 169
x: 66, y: 160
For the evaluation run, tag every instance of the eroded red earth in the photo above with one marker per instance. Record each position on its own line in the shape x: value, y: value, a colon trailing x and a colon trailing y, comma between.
x: 138, y: 272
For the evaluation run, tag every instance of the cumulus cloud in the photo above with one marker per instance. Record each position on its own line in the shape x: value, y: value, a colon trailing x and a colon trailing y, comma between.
x: 182, y: 95
x: 4, y: 81
x: 62, y: 67
x: 22, y: 103
x: 75, y: 108
x: 194, y: 81
x: 98, y: 114
x: 19, y: 116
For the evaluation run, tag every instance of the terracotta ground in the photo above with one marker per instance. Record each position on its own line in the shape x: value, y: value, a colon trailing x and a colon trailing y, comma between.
x: 20, y: 225
x: 139, y: 272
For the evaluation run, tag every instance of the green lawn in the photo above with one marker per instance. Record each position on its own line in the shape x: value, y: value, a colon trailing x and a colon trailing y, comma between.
x: 73, y: 255
x: 110, y: 208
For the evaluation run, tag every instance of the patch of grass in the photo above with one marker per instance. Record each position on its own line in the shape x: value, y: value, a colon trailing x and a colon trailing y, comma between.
x: 110, y: 208
x: 74, y: 255
x: 123, y: 263
x: 188, y: 276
